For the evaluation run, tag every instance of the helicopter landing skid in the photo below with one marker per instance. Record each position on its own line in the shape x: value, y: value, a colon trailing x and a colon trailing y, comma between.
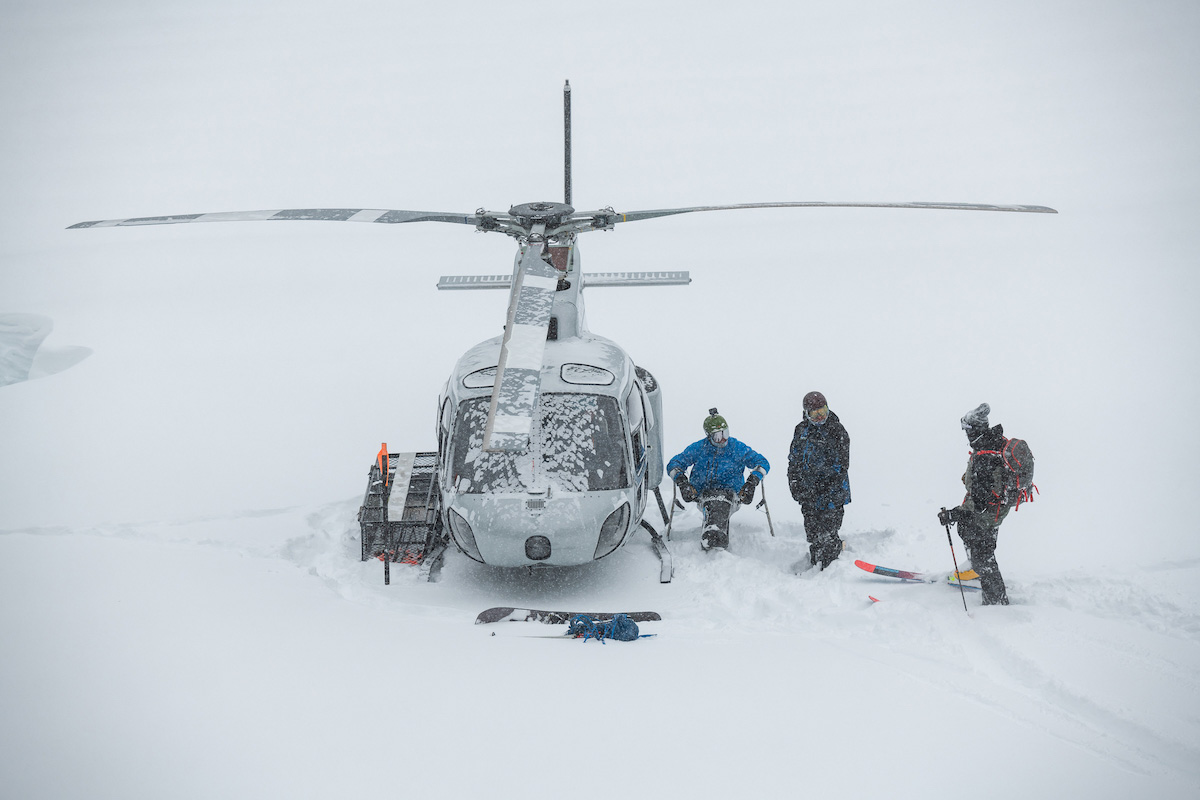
x: 399, y: 517
x: 667, y: 570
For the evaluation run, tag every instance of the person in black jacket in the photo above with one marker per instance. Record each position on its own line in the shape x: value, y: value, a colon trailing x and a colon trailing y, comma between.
x: 984, y: 508
x: 819, y: 477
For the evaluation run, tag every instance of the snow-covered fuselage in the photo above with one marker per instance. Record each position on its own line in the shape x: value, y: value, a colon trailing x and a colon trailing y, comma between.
x: 581, y: 488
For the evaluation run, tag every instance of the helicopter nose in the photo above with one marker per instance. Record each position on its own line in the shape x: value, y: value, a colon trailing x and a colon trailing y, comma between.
x: 537, y: 548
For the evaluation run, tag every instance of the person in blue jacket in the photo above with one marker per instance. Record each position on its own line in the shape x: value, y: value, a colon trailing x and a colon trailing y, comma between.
x: 718, y: 464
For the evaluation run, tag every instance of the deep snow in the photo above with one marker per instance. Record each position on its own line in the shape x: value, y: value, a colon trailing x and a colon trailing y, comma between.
x: 256, y: 655
x: 187, y: 413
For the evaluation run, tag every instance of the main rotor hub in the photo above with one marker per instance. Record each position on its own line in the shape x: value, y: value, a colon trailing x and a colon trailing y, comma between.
x: 549, y: 213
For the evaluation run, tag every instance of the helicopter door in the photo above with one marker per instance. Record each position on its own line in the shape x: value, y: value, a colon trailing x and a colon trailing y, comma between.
x: 445, y: 417
x: 635, y: 414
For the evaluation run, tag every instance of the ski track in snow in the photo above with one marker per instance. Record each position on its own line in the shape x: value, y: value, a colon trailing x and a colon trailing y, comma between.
x: 1050, y: 704
x: 1007, y: 660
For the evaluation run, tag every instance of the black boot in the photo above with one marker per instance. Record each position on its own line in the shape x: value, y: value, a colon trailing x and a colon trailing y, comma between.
x: 994, y: 593
x: 981, y: 550
x: 831, y: 551
x: 716, y: 523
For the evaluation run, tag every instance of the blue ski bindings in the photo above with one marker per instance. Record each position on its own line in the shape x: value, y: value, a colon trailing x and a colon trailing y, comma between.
x: 620, y: 627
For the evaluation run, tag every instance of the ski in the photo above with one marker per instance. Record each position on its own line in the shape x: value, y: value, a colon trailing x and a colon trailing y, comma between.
x: 952, y: 581
x: 506, y: 614
x: 905, y: 575
x: 896, y: 573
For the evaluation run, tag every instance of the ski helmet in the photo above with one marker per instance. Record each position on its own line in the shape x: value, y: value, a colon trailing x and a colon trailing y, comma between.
x: 714, y: 422
x: 816, y: 410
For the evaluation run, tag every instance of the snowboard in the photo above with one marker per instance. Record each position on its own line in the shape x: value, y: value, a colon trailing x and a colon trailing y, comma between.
x: 507, y: 614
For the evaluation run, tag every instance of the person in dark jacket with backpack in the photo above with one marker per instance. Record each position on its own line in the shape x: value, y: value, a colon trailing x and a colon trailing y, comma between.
x: 986, y: 504
x: 819, y: 477
x: 718, y: 464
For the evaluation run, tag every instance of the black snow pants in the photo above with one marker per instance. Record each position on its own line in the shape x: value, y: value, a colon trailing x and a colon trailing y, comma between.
x: 979, y: 533
x: 717, y: 505
x: 821, y: 529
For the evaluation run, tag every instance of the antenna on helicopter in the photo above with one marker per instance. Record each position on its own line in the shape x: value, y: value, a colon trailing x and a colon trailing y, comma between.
x: 567, y: 142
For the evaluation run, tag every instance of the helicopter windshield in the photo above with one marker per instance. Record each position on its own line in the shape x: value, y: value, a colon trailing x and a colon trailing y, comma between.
x: 579, y: 437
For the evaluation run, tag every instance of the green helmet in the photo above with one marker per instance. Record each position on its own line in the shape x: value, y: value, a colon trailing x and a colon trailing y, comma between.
x: 714, y: 422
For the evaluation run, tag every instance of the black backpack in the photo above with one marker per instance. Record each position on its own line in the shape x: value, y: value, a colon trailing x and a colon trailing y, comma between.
x: 1017, y: 474
x: 1012, y: 475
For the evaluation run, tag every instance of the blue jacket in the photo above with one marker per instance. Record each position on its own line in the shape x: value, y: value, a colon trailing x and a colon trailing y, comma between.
x: 819, y: 465
x: 718, y: 467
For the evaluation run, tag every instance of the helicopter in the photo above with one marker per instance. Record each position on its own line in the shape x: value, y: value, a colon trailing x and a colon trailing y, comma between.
x: 549, y: 437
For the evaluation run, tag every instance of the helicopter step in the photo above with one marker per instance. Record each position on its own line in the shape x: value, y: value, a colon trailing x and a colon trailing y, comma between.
x: 399, y: 516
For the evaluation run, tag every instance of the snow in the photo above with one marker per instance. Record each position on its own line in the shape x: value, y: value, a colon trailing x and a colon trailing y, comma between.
x: 188, y: 413
x: 22, y: 353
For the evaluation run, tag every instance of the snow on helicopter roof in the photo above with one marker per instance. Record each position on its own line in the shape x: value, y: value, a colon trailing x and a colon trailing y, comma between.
x: 588, y: 363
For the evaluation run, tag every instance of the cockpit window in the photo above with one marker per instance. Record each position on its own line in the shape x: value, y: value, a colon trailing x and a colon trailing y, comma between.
x: 578, y: 446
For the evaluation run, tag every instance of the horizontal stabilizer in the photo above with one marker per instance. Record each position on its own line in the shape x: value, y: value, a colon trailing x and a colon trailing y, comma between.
x: 475, y: 282
x: 682, y: 278
x: 637, y: 279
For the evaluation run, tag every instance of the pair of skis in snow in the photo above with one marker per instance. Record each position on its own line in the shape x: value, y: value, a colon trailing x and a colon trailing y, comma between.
x: 957, y: 579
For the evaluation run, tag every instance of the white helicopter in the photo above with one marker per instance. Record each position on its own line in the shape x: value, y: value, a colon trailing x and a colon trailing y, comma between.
x: 549, y: 437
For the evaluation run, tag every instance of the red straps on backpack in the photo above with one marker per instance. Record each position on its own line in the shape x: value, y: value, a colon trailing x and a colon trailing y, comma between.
x: 1022, y: 494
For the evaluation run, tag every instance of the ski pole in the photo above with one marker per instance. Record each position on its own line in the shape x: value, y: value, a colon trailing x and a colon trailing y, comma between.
x: 766, y: 508
x: 957, y: 577
x: 671, y: 521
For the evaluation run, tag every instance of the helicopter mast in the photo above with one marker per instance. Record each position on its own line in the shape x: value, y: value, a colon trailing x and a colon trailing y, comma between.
x: 567, y: 142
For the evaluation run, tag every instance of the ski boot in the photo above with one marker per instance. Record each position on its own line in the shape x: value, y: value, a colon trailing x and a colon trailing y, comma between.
x: 714, y: 538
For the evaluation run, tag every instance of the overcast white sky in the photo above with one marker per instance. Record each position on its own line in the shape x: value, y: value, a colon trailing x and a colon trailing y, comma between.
x: 260, y: 365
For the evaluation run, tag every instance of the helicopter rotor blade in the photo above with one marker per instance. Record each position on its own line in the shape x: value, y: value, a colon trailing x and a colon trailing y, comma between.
x: 380, y: 215
x: 519, y: 373
x: 633, y: 216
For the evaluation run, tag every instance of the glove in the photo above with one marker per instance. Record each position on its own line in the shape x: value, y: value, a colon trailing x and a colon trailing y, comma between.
x: 746, y: 495
x: 687, y: 492
x: 946, y: 516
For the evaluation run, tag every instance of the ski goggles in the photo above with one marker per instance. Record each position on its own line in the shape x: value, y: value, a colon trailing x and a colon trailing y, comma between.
x: 719, y: 436
x: 818, y: 415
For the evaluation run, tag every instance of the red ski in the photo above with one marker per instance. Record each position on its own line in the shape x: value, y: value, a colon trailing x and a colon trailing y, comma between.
x: 914, y: 576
